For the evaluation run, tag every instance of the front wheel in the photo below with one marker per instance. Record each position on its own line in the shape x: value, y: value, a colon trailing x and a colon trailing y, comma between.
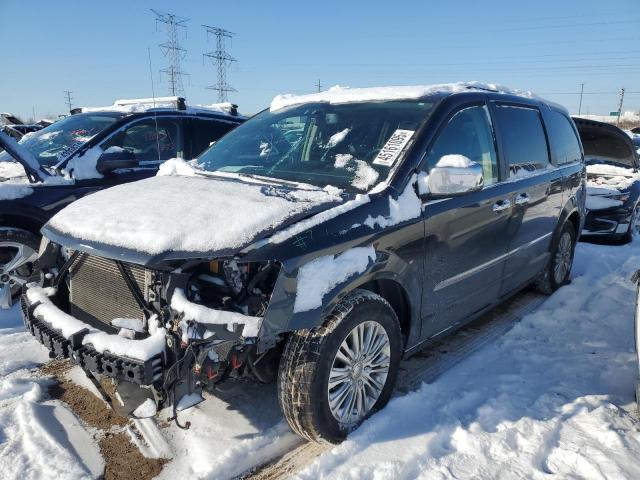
x: 333, y: 377
x: 558, y: 269
x: 18, y: 252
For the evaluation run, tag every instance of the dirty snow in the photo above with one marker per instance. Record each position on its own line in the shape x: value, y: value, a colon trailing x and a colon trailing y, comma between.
x: 196, y: 214
x: 339, y: 94
x: 39, y: 438
x: 553, y: 398
x: 202, y: 314
x: 321, y: 275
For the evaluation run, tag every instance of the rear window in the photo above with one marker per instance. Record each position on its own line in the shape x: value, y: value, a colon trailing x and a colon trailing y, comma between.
x: 563, y: 139
x: 523, y: 140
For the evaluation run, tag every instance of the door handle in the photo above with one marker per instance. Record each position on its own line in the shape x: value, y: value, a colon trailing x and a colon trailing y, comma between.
x: 522, y: 199
x: 501, y: 205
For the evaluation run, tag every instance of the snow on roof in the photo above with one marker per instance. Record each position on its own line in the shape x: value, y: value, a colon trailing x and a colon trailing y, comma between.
x: 136, y: 105
x: 338, y: 94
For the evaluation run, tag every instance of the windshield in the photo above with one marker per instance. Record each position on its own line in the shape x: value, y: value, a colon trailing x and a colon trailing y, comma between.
x: 52, y: 144
x: 350, y: 146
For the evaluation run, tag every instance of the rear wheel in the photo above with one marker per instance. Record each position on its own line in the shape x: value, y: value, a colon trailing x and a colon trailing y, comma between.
x: 558, y: 270
x: 18, y: 253
x: 333, y: 377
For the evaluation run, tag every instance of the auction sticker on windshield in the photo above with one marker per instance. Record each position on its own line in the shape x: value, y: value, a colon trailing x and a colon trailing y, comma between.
x: 391, y: 150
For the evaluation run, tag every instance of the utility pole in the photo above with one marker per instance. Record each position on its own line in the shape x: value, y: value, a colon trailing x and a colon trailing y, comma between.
x: 69, y: 98
x: 620, y: 106
x: 319, y: 85
x: 581, y: 92
x: 221, y: 59
x: 172, y: 50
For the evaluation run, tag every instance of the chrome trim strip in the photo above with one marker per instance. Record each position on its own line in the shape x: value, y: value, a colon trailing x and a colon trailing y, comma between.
x: 468, y: 273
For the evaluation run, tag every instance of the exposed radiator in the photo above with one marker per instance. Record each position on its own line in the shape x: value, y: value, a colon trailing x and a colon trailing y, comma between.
x: 99, y: 293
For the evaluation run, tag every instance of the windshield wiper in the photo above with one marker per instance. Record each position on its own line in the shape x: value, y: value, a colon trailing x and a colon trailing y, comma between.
x: 276, y: 181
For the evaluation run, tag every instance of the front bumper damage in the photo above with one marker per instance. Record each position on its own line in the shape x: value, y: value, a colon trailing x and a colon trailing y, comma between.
x: 175, y: 376
x: 610, y: 223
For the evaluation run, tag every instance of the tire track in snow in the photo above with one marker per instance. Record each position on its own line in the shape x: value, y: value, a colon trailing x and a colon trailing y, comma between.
x: 423, y: 367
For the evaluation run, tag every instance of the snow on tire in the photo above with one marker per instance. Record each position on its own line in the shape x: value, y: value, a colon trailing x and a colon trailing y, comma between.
x: 333, y: 377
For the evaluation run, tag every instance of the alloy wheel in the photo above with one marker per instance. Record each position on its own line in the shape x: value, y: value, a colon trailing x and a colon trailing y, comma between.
x: 16, y: 268
x: 563, y: 258
x: 359, y: 373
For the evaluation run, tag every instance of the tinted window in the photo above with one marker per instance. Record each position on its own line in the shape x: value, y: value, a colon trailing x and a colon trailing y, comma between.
x: 207, y: 131
x: 562, y: 138
x: 150, y: 139
x: 468, y: 133
x: 524, y: 141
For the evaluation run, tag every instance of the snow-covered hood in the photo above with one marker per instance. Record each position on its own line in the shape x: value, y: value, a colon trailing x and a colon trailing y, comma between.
x: 185, y: 214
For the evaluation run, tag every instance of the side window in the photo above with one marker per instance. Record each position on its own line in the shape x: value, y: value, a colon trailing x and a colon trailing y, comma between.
x: 468, y: 133
x: 207, y: 131
x: 523, y: 139
x: 563, y: 139
x: 148, y: 142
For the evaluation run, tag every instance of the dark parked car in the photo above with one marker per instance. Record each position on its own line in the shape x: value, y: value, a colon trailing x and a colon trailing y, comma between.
x: 81, y: 154
x: 315, y: 245
x: 613, y: 181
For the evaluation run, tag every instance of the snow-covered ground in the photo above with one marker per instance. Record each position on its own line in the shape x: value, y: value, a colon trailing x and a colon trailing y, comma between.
x: 553, y: 398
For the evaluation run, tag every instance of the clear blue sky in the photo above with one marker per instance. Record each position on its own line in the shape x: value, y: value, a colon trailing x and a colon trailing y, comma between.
x: 99, y: 49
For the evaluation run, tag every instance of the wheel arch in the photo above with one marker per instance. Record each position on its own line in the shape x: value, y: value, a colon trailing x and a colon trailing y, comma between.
x: 28, y: 223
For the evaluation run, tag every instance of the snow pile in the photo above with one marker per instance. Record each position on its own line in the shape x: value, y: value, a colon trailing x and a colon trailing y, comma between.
x: 124, y: 347
x: 605, y: 184
x: 136, y: 105
x: 338, y: 94
x: 406, y: 207
x: 553, y: 398
x: 454, y: 161
x: 12, y: 170
x: 13, y: 191
x: 176, y: 166
x: 84, y: 167
x: 188, y: 214
x: 65, y: 323
x: 38, y: 438
x: 209, y: 316
x: 336, y: 138
x: 364, y: 174
x: 321, y: 275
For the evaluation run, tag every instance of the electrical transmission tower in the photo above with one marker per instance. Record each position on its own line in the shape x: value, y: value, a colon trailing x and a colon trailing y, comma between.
x: 172, y: 50
x: 221, y: 59
x: 620, y: 105
x: 68, y: 99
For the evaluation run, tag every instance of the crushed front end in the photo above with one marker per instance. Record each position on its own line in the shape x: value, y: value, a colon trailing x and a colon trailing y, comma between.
x: 162, y: 335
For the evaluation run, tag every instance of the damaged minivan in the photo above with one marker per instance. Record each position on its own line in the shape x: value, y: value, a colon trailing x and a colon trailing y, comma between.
x: 613, y: 181
x: 314, y: 246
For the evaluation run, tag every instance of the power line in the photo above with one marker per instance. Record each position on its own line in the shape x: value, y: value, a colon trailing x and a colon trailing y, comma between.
x: 172, y: 49
x: 221, y: 59
x: 68, y: 99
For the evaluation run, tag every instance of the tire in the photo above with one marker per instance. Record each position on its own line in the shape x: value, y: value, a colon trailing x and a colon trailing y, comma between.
x: 555, y: 275
x: 634, y: 225
x: 21, y: 247
x: 311, y: 355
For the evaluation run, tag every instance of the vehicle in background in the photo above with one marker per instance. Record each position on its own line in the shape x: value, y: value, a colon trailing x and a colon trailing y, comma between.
x: 24, y: 129
x: 86, y: 152
x: 326, y: 238
x: 613, y: 181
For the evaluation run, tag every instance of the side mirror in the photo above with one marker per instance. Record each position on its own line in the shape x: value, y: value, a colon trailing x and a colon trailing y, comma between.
x: 114, y: 158
x: 455, y: 175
